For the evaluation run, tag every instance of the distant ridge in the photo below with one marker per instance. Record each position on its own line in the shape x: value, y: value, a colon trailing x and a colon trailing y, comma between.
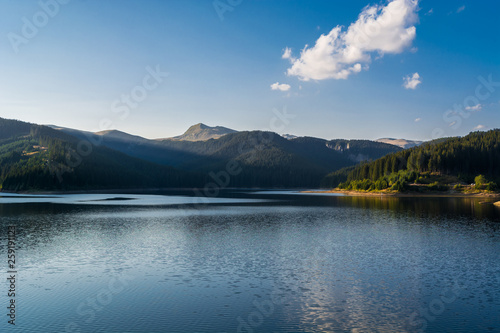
x: 119, y: 135
x: 202, y: 132
x: 403, y: 143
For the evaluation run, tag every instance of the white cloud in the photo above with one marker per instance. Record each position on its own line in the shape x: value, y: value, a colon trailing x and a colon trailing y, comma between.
x: 475, y: 108
x: 430, y: 12
x: 460, y: 9
x: 418, y: 119
x: 280, y: 87
x: 411, y: 82
x: 378, y: 29
x: 479, y: 127
x: 287, y: 53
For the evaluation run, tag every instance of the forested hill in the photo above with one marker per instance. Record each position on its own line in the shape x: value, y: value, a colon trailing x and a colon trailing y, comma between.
x: 34, y: 157
x: 13, y: 128
x: 462, y: 159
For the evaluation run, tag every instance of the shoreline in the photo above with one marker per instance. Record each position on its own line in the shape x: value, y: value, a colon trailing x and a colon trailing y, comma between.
x: 93, y: 191
x: 448, y: 194
x: 192, y: 190
x: 410, y: 195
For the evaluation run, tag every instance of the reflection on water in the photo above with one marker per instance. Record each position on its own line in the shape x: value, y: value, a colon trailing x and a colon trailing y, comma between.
x: 280, y: 264
x: 477, y: 207
x: 116, y: 199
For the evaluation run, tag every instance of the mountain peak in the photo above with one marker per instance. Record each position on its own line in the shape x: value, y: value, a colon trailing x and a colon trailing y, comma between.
x: 200, y: 126
x: 202, y: 132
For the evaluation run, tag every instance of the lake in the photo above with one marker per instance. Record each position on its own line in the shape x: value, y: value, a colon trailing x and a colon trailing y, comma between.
x: 251, y: 262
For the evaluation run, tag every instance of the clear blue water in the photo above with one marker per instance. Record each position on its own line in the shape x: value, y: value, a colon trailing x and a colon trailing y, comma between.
x: 252, y: 262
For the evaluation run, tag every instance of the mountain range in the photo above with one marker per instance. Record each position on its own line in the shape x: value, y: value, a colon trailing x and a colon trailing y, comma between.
x: 51, y: 157
x: 188, y: 151
x: 403, y: 143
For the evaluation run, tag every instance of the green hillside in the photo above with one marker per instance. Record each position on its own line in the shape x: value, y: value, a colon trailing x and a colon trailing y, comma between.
x: 34, y: 157
x: 435, y: 165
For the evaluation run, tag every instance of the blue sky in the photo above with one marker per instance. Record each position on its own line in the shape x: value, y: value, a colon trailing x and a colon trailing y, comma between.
x: 80, y: 57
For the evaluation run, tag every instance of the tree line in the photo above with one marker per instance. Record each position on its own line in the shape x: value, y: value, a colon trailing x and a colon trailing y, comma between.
x: 464, y: 158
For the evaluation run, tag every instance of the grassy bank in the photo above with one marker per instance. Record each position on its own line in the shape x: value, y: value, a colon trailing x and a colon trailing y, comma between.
x: 430, y: 194
x: 421, y: 183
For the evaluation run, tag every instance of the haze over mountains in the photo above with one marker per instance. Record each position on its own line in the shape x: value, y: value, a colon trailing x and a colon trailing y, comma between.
x: 202, y: 132
x: 105, y: 159
x: 202, y: 140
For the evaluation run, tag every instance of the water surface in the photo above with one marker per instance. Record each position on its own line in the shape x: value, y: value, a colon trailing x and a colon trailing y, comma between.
x: 254, y: 262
